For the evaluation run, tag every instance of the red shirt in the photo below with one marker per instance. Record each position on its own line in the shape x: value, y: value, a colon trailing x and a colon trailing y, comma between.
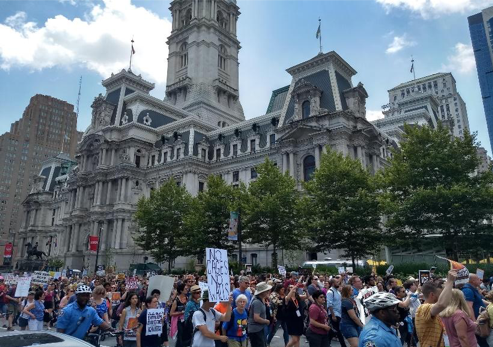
x: 318, y: 314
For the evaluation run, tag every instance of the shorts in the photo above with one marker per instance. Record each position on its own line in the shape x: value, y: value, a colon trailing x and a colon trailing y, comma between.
x: 12, y: 309
x: 23, y: 322
x: 349, y: 330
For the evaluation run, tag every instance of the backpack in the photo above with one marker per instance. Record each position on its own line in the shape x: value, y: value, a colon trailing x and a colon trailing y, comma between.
x: 188, y: 330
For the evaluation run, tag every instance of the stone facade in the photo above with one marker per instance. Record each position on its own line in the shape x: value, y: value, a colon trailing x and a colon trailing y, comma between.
x: 136, y: 141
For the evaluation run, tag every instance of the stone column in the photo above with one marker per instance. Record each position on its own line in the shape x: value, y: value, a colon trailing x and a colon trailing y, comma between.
x: 317, y: 156
x: 108, y: 192
x: 358, y: 154
x: 374, y: 159
x: 104, y: 236
x: 113, y: 153
x: 113, y: 234
x: 103, y: 160
x: 131, y: 153
x: 363, y: 157
x: 119, y: 190
x: 291, y: 164
x: 124, y: 235
x: 129, y: 191
x: 75, y: 236
x: 96, y: 185
x: 284, y: 162
x: 124, y: 183
x: 100, y: 192
x: 118, y: 233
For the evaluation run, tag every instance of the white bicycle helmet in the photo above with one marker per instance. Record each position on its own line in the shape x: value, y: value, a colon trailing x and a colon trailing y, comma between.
x: 83, y: 289
x: 379, y: 301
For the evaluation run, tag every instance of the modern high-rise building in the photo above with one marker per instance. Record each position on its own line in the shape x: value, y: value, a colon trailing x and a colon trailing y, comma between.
x: 425, y: 101
x: 48, y: 126
x: 480, y: 28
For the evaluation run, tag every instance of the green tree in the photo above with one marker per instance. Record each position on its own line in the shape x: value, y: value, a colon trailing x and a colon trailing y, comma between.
x: 268, y: 215
x: 160, y: 221
x: 340, y: 209
x: 207, y: 223
x: 432, y: 188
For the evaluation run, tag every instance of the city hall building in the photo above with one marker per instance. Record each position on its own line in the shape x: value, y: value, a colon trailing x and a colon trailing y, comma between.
x: 136, y: 141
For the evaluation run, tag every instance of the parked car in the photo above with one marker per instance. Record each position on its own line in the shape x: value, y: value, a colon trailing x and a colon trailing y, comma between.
x: 44, y: 338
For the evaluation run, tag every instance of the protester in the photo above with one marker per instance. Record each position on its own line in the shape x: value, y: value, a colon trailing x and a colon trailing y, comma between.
x: 412, y: 289
x: 356, y: 283
x: 177, y: 313
x: 99, y: 302
x: 36, y: 311
x: 312, y: 285
x: 475, y: 301
x: 428, y: 327
x: 12, y: 306
x: 236, y: 328
x: 379, y: 330
x: 244, y: 283
x: 318, y: 330
x: 334, y: 301
x: 128, y: 320
x: 257, y: 316
x: 350, y: 325
x: 144, y: 340
x: 24, y: 317
x: 489, y: 310
x: 204, y: 322
x: 65, y: 299
x: 278, y: 313
x: 194, y: 303
x: 294, y: 315
x: 456, y: 318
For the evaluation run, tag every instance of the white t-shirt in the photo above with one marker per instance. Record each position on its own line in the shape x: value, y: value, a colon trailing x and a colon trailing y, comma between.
x: 198, y: 319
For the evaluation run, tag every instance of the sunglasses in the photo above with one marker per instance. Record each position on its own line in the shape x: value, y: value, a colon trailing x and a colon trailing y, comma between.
x: 199, y: 292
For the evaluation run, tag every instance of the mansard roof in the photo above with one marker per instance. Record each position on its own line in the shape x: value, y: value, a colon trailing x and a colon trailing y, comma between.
x: 277, y: 99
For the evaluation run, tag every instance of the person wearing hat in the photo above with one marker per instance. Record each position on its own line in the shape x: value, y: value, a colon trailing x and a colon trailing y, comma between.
x: 204, y: 322
x: 257, y: 316
x: 379, y: 331
x: 194, y: 303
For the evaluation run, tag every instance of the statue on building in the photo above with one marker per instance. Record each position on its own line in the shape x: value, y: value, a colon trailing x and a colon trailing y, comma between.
x: 356, y: 100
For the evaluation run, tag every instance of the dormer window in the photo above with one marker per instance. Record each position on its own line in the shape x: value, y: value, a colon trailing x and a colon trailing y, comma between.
x: 222, y: 56
x: 183, y: 55
x: 306, y: 100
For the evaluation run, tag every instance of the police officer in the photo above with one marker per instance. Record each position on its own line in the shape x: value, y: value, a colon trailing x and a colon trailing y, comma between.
x: 379, y: 330
x: 76, y: 318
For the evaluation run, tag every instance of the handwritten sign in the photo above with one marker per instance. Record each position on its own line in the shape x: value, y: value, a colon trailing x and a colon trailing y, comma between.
x: 154, y: 324
x: 40, y: 277
x: 424, y: 276
x: 10, y: 278
x: 132, y: 283
x: 217, y: 274
x: 23, y: 284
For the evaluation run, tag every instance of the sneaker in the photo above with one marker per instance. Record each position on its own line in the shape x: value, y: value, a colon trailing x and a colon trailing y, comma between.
x: 10, y: 329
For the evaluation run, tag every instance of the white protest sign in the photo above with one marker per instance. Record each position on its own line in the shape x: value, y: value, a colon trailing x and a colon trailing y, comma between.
x: 64, y: 273
x: 480, y: 273
x: 282, y: 270
x: 217, y: 274
x: 341, y: 270
x: 23, y: 284
x: 10, y: 278
x: 390, y: 269
x: 154, y: 324
x: 57, y: 275
x: 164, y: 284
x: 40, y: 277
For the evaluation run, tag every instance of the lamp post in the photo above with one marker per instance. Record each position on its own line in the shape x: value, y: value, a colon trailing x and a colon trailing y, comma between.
x: 100, y: 228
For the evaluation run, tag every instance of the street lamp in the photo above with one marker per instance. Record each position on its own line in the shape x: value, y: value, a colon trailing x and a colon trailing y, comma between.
x: 100, y: 228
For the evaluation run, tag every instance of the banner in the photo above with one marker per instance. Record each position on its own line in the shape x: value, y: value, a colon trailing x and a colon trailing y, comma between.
x: 10, y: 278
x: 424, y: 276
x: 93, y: 243
x: 7, y: 253
x: 154, y: 324
x: 217, y: 274
x: 233, y: 226
x: 462, y: 271
x: 23, y: 285
x: 40, y: 278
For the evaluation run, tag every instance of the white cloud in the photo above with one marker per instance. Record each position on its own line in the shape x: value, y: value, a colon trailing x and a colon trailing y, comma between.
x: 99, y: 42
x: 435, y: 8
x: 462, y: 60
x: 372, y: 115
x: 399, y: 43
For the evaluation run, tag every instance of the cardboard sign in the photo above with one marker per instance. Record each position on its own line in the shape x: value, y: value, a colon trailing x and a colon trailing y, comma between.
x: 40, y: 278
x: 57, y: 275
x: 101, y: 273
x: 132, y: 283
x: 217, y: 274
x: 164, y: 284
x: 480, y: 273
x: 424, y: 276
x: 23, y: 285
x: 364, y: 294
x: 154, y: 324
x: 121, y: 276
x: 349, y: 269
x: 390, y: 269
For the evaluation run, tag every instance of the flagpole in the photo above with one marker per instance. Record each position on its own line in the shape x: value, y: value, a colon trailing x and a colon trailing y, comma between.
x: 414, y: 69
x: 320, y: 35
x: 131, y: 54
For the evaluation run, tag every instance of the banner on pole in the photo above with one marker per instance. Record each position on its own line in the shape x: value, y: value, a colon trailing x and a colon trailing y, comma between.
x: 93, y: 243
x: 217, y: 274
x: 233, y: 226
x: 7, y: 253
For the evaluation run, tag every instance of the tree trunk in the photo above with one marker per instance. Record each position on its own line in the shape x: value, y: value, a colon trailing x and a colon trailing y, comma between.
x: 353, y: 260
x: 274, y: 257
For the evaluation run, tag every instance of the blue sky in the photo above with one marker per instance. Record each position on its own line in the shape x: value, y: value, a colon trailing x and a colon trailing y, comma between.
x: 45, y: 46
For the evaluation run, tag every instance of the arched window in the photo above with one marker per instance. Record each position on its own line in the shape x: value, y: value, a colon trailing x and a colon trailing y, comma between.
x: 221, y: 60
x: 183, y: 55
x: 308, y: 167
x: 305, y: 109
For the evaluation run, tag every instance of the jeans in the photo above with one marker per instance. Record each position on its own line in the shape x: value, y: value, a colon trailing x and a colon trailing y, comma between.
x: 336, y: 331
x: 257, y: 339
x: 273, y: 331
x: 482, y: 341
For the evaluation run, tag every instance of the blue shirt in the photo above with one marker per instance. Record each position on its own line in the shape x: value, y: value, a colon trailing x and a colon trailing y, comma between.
x: 237, y: 292
x: 334, y: 300
x: 236, y: 327
x: 376, y: 333
x: 76, y: 321
x: 191, y: 307
x: 472, y: 294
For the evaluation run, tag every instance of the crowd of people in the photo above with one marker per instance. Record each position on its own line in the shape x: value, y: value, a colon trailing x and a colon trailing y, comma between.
x: 357, y: 311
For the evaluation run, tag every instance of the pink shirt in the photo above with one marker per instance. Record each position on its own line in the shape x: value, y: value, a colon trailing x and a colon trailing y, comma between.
x: 449, y: 323
x: 320, y: 315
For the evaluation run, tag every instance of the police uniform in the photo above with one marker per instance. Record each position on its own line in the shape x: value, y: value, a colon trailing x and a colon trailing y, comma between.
x: 377, y: 334
x: 76, y: 321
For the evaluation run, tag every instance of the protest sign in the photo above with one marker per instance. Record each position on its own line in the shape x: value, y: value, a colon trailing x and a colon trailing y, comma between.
x: 164, y: 284
x: 10, y: 278
x: 217, y: 274
x: 115, y: 298
x: 341, y: 270
x: 132, y: 283
x: 349, y: 269
x: 282, y: 270
x: 40, y: 278
x: 23, y: 284
x: 364, y: 294
x: 389, y: 270
x: 120, y: 276
x: 203, y: 286
x: 248, y: 268
x: 480, y: 273
x: 64, y: 273
x: 462, y: 271
x: 154, y: 324
x: 57, y: 275
x: 424, y: 276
